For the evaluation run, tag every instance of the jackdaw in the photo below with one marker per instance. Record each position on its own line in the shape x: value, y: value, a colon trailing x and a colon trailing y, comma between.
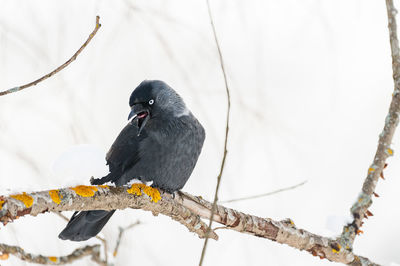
x: 161, y: 143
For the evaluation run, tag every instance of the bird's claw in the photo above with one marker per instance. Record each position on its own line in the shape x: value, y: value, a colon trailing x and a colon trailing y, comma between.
x: 94, y: 181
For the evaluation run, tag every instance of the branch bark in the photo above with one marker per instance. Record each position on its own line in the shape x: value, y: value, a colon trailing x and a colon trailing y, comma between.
x: 359, y: 210
x: 93, y: 251
x: 182, y: 207
x: 58, y: 69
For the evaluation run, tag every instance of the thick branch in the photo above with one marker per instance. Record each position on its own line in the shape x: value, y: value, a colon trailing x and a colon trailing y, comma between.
x: 359, y: 209
x: 58, y: 69
x: 78, y: 253
x: 183, y: 207
x: 99, y: 198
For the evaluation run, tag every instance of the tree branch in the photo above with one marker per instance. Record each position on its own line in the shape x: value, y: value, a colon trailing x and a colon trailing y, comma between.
x: 122, y: 230
x: 78, y: 253
x: 58, y: 69
x: 99, y: 198
x: 265, y: 194
x: 359, y: 209
x: 183, y: 207
x: 228, y: 111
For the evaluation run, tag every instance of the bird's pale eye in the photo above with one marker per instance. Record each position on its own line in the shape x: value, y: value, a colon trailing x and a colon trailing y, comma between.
x: 151, y: 102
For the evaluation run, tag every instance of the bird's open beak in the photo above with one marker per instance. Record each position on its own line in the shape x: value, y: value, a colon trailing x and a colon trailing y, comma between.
x: 140, y: 114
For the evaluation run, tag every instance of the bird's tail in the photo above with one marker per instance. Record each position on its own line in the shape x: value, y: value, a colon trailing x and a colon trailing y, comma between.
x: 85, y: 224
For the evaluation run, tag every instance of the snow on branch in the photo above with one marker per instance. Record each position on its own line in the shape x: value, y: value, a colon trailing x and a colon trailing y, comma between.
x: 181, y: 207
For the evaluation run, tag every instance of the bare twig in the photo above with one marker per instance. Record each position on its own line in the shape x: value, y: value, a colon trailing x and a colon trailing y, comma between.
x: 122, y: 230
x: 58, y: 69
x: 221, y: 60
x: 105, y: 246
x: 360, y: 207
x: 78, y: 253
x: 183, y: 207
x: 265, y: 194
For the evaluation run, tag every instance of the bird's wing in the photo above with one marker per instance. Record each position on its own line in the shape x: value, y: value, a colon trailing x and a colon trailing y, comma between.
x: 124, y: 153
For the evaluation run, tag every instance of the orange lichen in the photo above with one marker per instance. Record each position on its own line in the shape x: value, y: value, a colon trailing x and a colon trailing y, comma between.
x: 1, y: 204
x: 104, y: 186
x: 53, y: 259
x: 371, y: 169
x: 336, y: 249
x: 85, y: 191
x: 153, y: 193
x: 55, y: 196
x: 389, y: 151
x: 4, y: 256
x: 25, y: 198
x: 115, y: 253
x: 137, y: 189
x: 359, y: 232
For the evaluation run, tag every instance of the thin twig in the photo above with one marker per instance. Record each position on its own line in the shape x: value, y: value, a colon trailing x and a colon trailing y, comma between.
x: 359, y: 209
x: 98, y: 237
x: 122, y: 230
x: 58, y: 69
x: 221, y: 60
x: 265, y: 194
x: 40, y: 259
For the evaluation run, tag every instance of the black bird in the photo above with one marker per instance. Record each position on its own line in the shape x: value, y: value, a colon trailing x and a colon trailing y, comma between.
x: 161, y: 143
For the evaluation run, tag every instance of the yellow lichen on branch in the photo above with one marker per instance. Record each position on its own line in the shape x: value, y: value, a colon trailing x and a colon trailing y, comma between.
x: 25, y: 198
x: 371, y: 169
x: 137, y: 189
x: 336, y: 249
x: 55, y: 196
x: 85, y: 191
x: 4, y: 256
x: 1, y: 204
x: 53, y: 259
x: 389, y: 151
x: 153, y: 193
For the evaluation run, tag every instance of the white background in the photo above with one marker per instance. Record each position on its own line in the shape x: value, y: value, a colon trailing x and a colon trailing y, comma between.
x: 311, y: 82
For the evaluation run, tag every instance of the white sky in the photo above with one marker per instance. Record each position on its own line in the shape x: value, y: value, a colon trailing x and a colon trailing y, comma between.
x: 311, y: 83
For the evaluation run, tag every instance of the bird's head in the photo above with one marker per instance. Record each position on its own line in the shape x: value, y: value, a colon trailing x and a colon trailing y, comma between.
x: 155, y: 99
